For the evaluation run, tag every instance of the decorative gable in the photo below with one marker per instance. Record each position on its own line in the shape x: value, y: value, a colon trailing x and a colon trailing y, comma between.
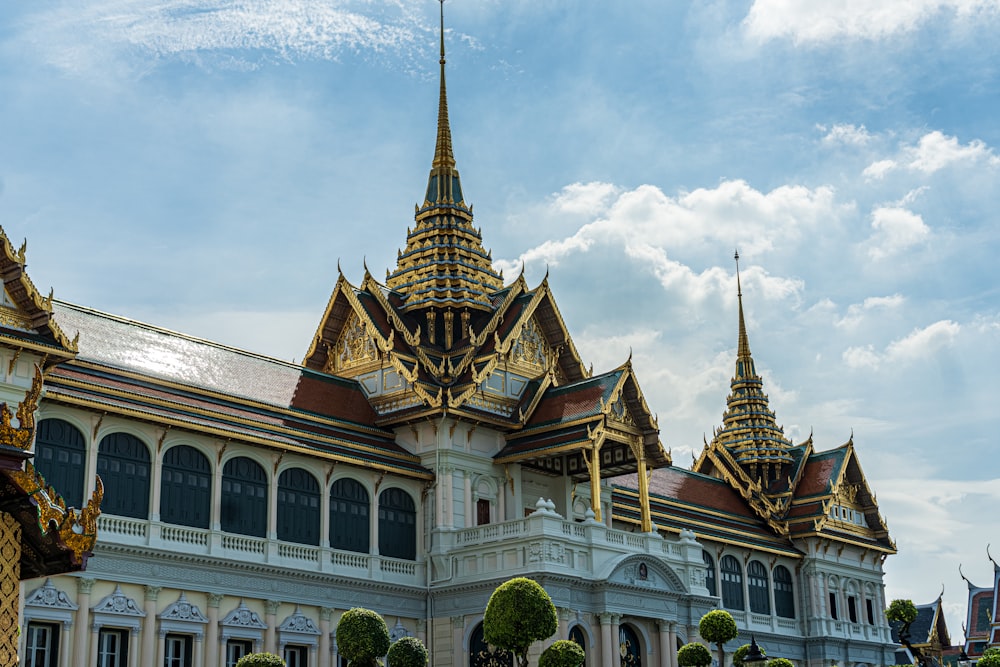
x: 531, y: 349
x: 355, y: 346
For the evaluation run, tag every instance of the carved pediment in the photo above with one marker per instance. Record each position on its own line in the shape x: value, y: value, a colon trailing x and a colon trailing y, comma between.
x: 355, y: 346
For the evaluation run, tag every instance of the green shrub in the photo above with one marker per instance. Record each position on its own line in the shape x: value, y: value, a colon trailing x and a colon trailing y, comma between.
x: 260, y: 660
x: 362, y: 637
x: 990, y: 658
x: 901, y: 611
x: 519, y: 613
x: 694, y: 655
x: 563, y: 653
x: 407, y: 652
x: 780, y: 662
x: 740, y: 653
x: 718, y: 627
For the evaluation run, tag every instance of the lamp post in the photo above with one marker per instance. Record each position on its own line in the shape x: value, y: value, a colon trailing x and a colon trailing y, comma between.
x: 754, y: 657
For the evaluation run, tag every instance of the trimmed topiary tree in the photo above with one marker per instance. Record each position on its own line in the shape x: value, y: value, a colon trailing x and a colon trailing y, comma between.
x: 518, y: 614
x: 900, y: 614
x: 694, y: 655
x: 407, y: 652
x: 990, y: 658
x: 780, y: 662
x: 260, y: 660
x: 362, y: 637
x: 562, y: 653
x: 718, y: 627
x: 741, y: 653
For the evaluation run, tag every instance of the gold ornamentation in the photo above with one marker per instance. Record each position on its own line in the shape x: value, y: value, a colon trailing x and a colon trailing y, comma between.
x: 355, y: 345
x: 619, y: 411
x: 10, y: 317
x: 10, y: 587
x: 21, y: 436
x: 531, y: 347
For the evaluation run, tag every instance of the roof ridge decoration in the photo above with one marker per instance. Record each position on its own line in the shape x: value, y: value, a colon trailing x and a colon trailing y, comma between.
x: 33, y: 311
x: 444, y: 264
x: 750, y: 431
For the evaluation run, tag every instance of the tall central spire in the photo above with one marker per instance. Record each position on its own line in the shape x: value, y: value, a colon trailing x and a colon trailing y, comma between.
x: 444, y: 265
x: 749, y: 429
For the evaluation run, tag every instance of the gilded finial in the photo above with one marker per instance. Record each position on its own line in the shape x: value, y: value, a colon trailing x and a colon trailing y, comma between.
x: 21, y: 252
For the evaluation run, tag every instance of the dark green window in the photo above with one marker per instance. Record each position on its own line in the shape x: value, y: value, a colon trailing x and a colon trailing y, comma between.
x: 576, y: 635
x: 709, y: 572
x: 350, y: 527
x: 397, y: 525
x: 628, y: 647
x: 123, y: 464
x: 760, y: 594
x: 185, y: 487
x: 784, y: 599
x: 244, y: 497
x: 298, y: 507
x: 732, y: 583
x: 59, y: 454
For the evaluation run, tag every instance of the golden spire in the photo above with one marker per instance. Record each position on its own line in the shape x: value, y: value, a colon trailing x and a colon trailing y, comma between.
x: 444, y: 265
x: 749, y: 429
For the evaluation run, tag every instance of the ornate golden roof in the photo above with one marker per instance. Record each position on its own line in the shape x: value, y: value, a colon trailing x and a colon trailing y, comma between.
x: 749, y: 430
x: 444, y: 264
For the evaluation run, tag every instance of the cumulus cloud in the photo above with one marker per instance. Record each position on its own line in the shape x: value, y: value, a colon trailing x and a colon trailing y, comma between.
x: 81, y: 36
x: 933, y: 152
x: 895, y: 229
x: 813, y: 23
x: 845, y: 134
x: 920, y: 344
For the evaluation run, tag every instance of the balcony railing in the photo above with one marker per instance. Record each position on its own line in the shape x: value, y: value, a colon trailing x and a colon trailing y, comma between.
x: 258, y: 550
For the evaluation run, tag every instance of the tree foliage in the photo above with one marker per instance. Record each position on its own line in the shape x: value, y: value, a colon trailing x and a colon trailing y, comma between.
x: 740, y: 653
x: 694, y: 655
x: 362, y: 637
x: 780, y: 662
x: 990, y: 658
x: 260, y: 660
x: 901, y: 611
x: 718, y: 627
x: 518, y: 614
x: 407, y: 652
x: 562, y: 653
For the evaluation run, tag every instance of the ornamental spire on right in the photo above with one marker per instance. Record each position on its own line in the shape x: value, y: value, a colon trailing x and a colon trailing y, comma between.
x: 749, y: 430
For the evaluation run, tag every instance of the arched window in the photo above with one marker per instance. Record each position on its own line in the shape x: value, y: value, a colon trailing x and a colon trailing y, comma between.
x: 185, y: 487
x: 244, y: 497
x: 732, y: 583
x: 760, y: 596
x: 123, y: 464
x: 709, y: 572
x: 628, y: 647
x: 397, y: 525
x: 350, y: 527
x: 298, y: 507
x: 482, y: 654
x: 576, y: 635
x: 59, y: 453
x: 784, y: 598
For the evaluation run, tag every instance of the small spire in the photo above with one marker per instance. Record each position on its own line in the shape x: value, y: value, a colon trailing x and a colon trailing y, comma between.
x: 743, y: 349
x: 443, y: 185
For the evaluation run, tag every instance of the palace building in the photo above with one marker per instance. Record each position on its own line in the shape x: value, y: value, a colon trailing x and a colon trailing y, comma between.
x: 441, y: 435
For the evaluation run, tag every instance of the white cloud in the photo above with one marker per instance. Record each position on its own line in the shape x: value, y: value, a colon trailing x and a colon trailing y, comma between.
x: 934, y: 151
x: 845, y: 134
x: 650, y: 227
x: 856, y: 311
x: 895, y: 229
x: 81, y: 36
x: 921, y: 343
x: 807, y: 23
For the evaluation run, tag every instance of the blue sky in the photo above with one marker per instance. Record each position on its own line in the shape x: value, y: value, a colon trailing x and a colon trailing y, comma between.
x: 204, y: 165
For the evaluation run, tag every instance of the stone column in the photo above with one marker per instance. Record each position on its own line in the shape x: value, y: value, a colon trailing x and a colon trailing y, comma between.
x: 154, y: 479
x: 422, y: 630
x: 607, y: 643
x: 457, y: 626
x: 10, y: 587
x: 212, y: 632
x: 564, y: 616
x: 502, y: 500
x: 272, y: 508
x: 80, y: 647
x: 270, y: 635
x: 616, y: 620
x: 325, y: 616
x: 216, y: 520
x: 161, y: 646
x: 64, y: 641
x: 449, y: 504
x: 672, y: 640
x: 595, y: 482
x: 133, y: 647
x: 149, y: 625
x: 470, y: 510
